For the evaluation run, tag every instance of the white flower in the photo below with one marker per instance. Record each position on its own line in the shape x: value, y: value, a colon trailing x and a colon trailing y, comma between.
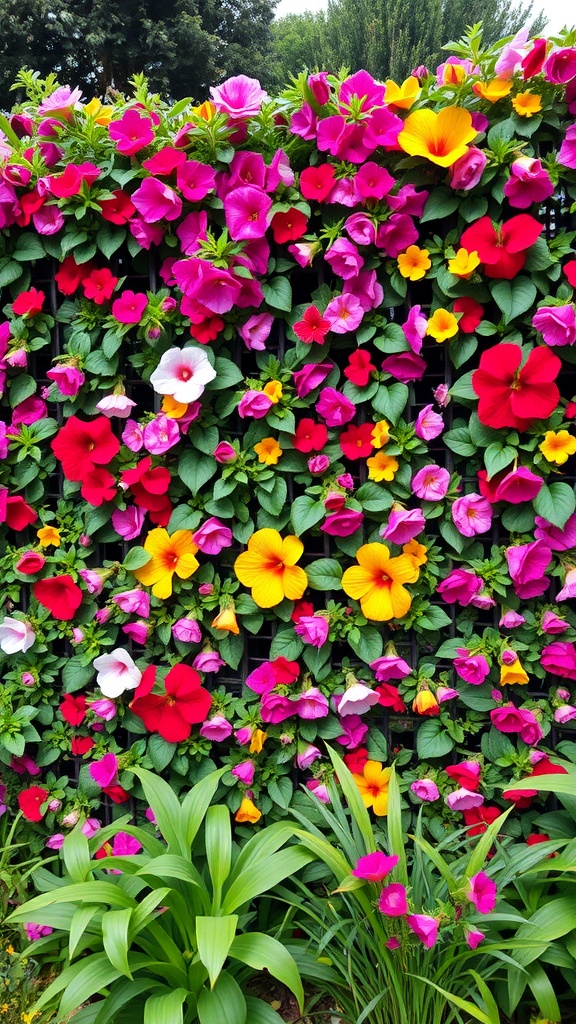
x: 116, y: 673
x: 357, y: 699
x: 116, y: 405
x: 183, y: 373
x: 16, y: 636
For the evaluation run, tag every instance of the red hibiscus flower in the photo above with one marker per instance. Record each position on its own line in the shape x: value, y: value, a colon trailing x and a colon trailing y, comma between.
x: 172, y: 714
x: 30, y: 801
x: 119, y: 209
x: 466, y: 777
x: 356, y: 759
x: 289, y: 226
x: 99, y: 285
x: 502, y: 248
x: 310, y: 436
x: 205, y: 326
x: 356, y: 442
x: 28, y: 303
x: 312, y: 326
x: 80, y: 446
x: 15, y: 512
x: 511, y: 396
x: 389, y: 697
x: 317, y: 182
x: 149, y: 487
x: 73, y: 709
x: 80, y: 745
x: 60, y: 595
x: 472, y: 313
x: 98, y: 486
x: 285, y: 671
x: 359, y: 368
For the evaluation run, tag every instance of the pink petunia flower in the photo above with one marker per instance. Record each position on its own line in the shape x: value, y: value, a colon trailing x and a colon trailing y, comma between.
x: 431, y: 483
x: 482, y: 892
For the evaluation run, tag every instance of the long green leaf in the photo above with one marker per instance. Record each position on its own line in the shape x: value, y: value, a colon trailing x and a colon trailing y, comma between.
x: 260, y: 1012
x: 354, y: 800
x: 91, y: 892
x: 214, y: 936
x: 490, y: 1002
x: 144, y: 912
x: 115, y: 926
x: 120, y: 996
x: 76, y: 854
x: 463, y: 1004
x: 263, y: 951
x: 78, y: 925
x: 396, y: 836
x: 543, y: 993
x: 256, y: 880
x: 166, y: 1007
x: 197, y: 801
x: 549, y: 783
x: 218, y: 839
x: 484, y: 844
x: 223, y: 1004
x: 325, y: 851
x: 166, y: 808
x: 439, y: 861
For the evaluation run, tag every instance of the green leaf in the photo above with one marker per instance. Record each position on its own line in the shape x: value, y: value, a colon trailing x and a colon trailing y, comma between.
x: 76, y: 855
x: 278, y: 293
x: 109, y: 238
x: 28, y: 247
x: 286, y: 644
x: 440, y: 204
x: 115, y: 925
x: 214, y: 936
x: 463, y: 1004
x: 305, y: 513
x: 324, y: 574
x: 21, y: 387
x: 390, y: 401
x: 513, y: 297
x: 497, y: 457
x: 354, y: 800
x: 459, y: 441
x: 227, y: 375
x: 79, y: 924
x: 136, y: 558
x: 264, y: 952
x: 433, y: 618
x: 369, y: 646
x: 433, y: 740
x: 195, y: 469
x: 556, y: 503
x: 260, y: 1012
x: 263, y: 875
x: 166, y: 1008
x: 75, y: 675
x: 224, y: 1004
x: 197, y: 801
x: 280, y: 791
x: 160, y: 751
x: 218, y: 839
x: 463, y: 387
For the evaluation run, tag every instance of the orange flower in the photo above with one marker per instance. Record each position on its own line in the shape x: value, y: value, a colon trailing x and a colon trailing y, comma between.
x: 402, y: 96
x: 373, y: 786
x: 526, y: 104
x: 206, y: 110
x: 169, y: 555
x: 414, y: 263
x: 377, y: 582
x: 380, y: 434
x: 269, y: 568
x: 248, y: 812
x: 514, y: 673
x: 382, y: 467
x: 442, y: 325
x: 274, y: 391
x: 464, y: 263
x: 258, y: 740
x: 226, y: 620
x: 173, y: 409
x: 416, y: 551
x: 442, y: 138
x: 556, y: 447
x: 268, y: 451
x: 494, y: 90
x: 48, y: 535
x: 98, y: 113
x: 425, y: 703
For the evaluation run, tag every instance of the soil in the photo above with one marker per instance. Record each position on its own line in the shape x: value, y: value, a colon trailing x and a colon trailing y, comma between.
x: 321, y: 1010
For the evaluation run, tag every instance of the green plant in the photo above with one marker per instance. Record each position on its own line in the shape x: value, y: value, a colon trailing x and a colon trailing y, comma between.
x: 162, y: 936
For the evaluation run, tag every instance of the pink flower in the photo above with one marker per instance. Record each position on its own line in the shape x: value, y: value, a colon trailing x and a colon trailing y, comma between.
x: 390, y: 666
x: 482, y: 893
x: 240, y: 97
x: 215, y: 287
x: 344, y: 259
x: 373, y: 867
x: 195, y: 180
x: 276, y: 708
x: 68, y: 379
x: 319, y: 789
x: 37, y: 931
x: 244, y: 772
x: 247, y: 213
x: 396, y: 234
x: 393, y: 901
x: 462, y: 800
x: 342, y: 523
x: 105, y: 771
x: 473, y: 937
x: 310, y: 377
x: 461, y: 586
x: 466, y: 172
x: 187, y: 631
x: 472, y: 515
x: 225, y: 453
x: 527, y: 565
x: 312, y: 704
x: 431, y: 483
x: 161, y: 434
x: 556, y: 538
x: 361, y: 229
x: 116, y: 405
x: 335, y: 408
x: 528, y: 183
x: 254, y: 403
x: 367, y: 289
x: 403, y: 525
x: 133, y: 602
x: 344, y: 313
x: 131, y: 132
x: 318, y: 464
x: 425, y: 789
x: 256, y: 331
x: 373, y: 181
x: 357, y: 699
x: 511, y: 620
x: 429, y: 424
x: 216, y: 728
x: 354, y: 732
x: 104, y: 708
x: 208, y: 661
x: 129, y: 307
x: 556, y: 324
x: 567, y: 153
x: 560, y: 66
x: 306, y: 756
x: 509, y: 719
x: 133, y: 436
x: 313, y: 629
x: 565, y: 713
x: 424, y: 927
x: 518, y: 485
x: 155, y: 201
x: 213, y: 536
x: 553, y: 625
x: 129, y: 522
x: 559, y: 658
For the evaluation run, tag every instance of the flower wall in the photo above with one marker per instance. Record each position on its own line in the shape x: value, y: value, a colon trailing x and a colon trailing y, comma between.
x: 287, y: 444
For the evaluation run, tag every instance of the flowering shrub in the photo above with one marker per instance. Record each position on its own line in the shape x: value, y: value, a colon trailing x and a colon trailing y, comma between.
x: 287, y: 438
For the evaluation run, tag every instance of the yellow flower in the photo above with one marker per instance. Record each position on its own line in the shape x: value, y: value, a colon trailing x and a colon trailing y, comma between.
x: 268, y: 451
x: 169, y: 555
x: 274, y: 391
x: 382, y: 467
x: 442, y: 325
x: 173, y: 409
x: 557, y: 446
x: 416, y: 551
x: 269, y: 568
x: 464, y: 263
x: 248, y: 812
x: 258, y: 740
x: 98, y: 113
x: 414, y: 263
x: 514, y: 673
x: 494, y: 90
x: 425, y: 703
x: 402, y: 96
x: 49, y: 535
x: 441, y: 138
x: 453, y: 74
x: 226, y: 620
x: 377, y: 582
x: 373, y: 786
x: 380, y: 434
x: 206, y: 110
x: 526, y: 104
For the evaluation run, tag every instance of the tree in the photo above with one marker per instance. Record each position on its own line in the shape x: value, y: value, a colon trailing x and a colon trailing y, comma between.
x: 183, y: 46
x: 387, y: 37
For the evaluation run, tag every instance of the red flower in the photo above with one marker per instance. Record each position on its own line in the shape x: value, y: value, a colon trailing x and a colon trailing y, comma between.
x: 472, y: 313
x: 205, y: 326
x: 502, y: 249
x: 149, y: 487
x: 117, y: 794
x: 301, y: 608
x: 285, y: 671
x: 310, y: 436
x: 172, y: 714
x: 479, y: 818
x: 570, y: 271
x: 536, y: 837
x: 71, y: 275
x: 28, y: 303
x: 30, y: 801
x: 514, y: 397
x: 60, y: 595
x: 98, y: 486
x: 317, y: 182
x: 29, y: 203
x: 15, y: 512
x: 356, y: 442
x: 534, y: 60
x: 289, y: 226
x: 312, y: 326
x: 80, y: 745
x: 73, y: 709
x: 459, y: 773
x: 389, y: 697
x: 99, y: 285
x: 117, y: 210
x: 359, y: 368
x: 30, y: 562
x: 356, y: 759
x: 80, y: 446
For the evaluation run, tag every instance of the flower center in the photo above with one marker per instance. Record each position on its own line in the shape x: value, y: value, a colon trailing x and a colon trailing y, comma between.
x: 184, y: 373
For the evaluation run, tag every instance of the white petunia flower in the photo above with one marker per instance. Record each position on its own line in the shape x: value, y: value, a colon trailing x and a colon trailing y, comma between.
x: 117, y: 672
x: 183, y: 373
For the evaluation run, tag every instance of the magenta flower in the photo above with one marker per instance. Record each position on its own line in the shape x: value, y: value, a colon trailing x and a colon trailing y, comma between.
x: 319, y: 789
x: 466, y: 172
x: 310, y: 377
x: 472, y: 668
x: 393, y: 901
x: 105, y: 771
x: 313, y: 629
x: 361, y: 229
x: 569, y: 589
x: 460, y: 586
x: 216, y: 729
x: 510, y: 719
x: 129, y: 307
x: 240, y: 97
x: 307, y: 754
x: 373, y: 181
x: 212, y: 537
x: 567, y: 152
x: 133, y: 436
x: 556, y: 538
x: 344, y: 313
x: 38, y: 931
x: 472, y: 515
x: 425, y: 789
x: 254, y: 403
x: 275, y: 708
x: 528, y: 183
x: 195, y: 180
x: 518, y: 485
x: 429, y: 424
x: 247, y: 212
x: 560, y: 66
x: 155, y: 201
x: 133, y: 602
x: 553, y: 625
x: 342, y: 523
x: 403, y: 525
x: 527, y: 565
x: 424, y: 927
x: 131, y: 132
x: 104, y: 708
x: 373, y: 867
x: 335, y: 408
x: 462, y: 800
x: 511, y: 620
x: 344, y: 259
x: 208, y: 661
x: 129, y: 522
x: 473, y: 937
x: 68, y: 379
x: 161, y: 434
x: 431, y: 483
x: 244, y: 772
x: 214, y: 287
x: 390, y: 666
x: 482, y: 893
x: 354, y: 732
x: 559, y: 658
x: 256, y: 331
x: 187, y: 631
x: 311, y: 704
x: 367, y: 289
x: 556, y: 324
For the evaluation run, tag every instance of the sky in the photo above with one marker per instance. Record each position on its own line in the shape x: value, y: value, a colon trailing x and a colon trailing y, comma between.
x: 558, y: 11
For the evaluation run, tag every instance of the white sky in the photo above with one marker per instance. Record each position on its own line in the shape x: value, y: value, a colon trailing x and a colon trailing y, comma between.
x: 559, y: 12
